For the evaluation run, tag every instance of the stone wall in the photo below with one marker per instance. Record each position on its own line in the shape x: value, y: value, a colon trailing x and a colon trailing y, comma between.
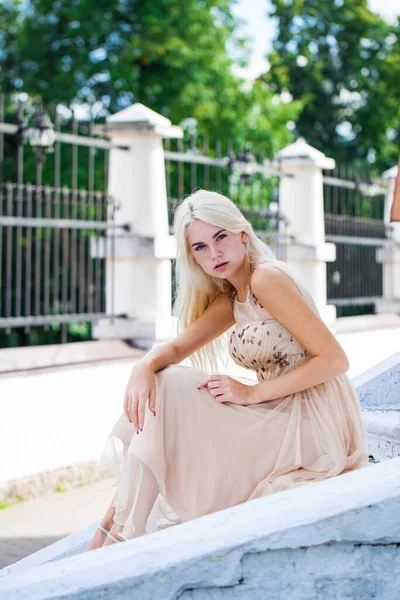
x: 333, y: 539
x: 379, y: 392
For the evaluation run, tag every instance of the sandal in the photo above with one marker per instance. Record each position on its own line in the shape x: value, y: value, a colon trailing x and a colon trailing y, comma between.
x: 112, y: 538
x: 103, y: 529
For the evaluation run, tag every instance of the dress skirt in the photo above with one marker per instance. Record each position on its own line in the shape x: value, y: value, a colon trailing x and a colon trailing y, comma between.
x: 207, y: 455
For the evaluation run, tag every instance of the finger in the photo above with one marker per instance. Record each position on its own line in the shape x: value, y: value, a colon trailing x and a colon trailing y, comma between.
x: 216, y: 391
x: 135, y: 416
x: 208, y: 379
x: 141, y: 407
x: 133, y: 411
x: 213, y: 385
x: 126, y: 406
x: 152, y: 401
x: 203, y: 382
x: 129, y: 407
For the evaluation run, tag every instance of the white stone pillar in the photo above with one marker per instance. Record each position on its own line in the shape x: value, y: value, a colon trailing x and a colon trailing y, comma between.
x: 389, y: 256
x: 301, y: 201
x: 139, y: 277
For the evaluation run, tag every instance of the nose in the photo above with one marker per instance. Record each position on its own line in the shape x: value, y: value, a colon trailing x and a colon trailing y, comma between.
x: 216, y: 254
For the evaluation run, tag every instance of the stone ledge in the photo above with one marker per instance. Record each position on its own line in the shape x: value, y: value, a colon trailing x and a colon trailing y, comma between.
x: 338, y: 533
x: 15, y: 360
x: 49, y: 482
x: 383, y: 433
x: 367, y: 322
x: 379, y: 387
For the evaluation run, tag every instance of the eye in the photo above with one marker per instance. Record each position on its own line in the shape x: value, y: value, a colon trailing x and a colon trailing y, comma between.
x: 198, y: 247
x: 221, y: 236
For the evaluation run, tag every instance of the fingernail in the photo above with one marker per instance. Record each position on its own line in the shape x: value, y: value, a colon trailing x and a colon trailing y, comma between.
x: 137, y: 430
x: 153, y: 411
x: 130, y: 421
x: 141, y: 427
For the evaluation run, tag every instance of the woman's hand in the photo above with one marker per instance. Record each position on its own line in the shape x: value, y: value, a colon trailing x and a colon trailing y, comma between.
x: 227, y: 389
x: 141, y: 386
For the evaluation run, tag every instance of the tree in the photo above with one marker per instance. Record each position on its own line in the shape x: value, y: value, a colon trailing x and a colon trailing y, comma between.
x: 342, y: 62
x: 9, y: 15
x: 170, y: 55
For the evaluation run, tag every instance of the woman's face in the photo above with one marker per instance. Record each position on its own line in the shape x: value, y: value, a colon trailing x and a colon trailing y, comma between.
x: 212, y: 245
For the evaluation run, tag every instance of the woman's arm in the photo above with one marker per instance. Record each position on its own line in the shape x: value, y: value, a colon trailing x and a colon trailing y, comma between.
x: 282, y: 298
x: 216, y: 319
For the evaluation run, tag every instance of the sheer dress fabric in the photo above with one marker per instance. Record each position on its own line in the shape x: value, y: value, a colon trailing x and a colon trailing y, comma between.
x: 206, y: 456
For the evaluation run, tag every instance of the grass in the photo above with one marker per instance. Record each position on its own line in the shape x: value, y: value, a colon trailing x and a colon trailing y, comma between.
x: 17, y: 500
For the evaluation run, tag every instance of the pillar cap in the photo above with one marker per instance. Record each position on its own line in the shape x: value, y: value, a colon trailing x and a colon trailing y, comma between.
x: 302, y: 153
x: 140, y: 117
x: 390, y: 173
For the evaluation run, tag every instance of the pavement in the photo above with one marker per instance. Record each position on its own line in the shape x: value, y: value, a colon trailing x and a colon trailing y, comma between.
x: 31, y: 525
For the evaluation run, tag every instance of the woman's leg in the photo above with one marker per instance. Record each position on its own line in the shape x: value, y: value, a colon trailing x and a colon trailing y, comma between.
x: 107, y: 521
x: 145, y: 493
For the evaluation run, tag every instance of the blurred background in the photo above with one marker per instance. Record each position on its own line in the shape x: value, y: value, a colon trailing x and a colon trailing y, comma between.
x: 111, y: 112
x: 242, y: 79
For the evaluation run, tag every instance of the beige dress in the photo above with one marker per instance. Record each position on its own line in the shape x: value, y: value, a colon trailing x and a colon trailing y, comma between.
x: 207, y: 456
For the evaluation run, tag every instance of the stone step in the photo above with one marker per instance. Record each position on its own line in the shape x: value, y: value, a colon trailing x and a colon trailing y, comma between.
x: 335, y: 538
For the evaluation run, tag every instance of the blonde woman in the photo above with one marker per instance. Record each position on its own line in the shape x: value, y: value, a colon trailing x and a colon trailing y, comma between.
x: 194, y: 440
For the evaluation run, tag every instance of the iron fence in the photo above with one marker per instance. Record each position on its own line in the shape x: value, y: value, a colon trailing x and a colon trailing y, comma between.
x: 193, y: 163
x: 354, y: 206
x: 47, y: 239
x: 52, y: 268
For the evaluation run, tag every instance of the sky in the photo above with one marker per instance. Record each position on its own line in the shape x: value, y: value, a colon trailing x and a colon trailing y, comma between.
x: 262, y: 29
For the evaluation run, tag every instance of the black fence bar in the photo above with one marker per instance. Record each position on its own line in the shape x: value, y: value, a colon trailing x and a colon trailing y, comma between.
x: 354, y: 221
x: 52, y: 232
x: 47, y: 291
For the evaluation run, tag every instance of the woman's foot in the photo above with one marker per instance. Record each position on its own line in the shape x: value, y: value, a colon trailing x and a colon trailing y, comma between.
x: 114, y: 531
x: 99, y: 536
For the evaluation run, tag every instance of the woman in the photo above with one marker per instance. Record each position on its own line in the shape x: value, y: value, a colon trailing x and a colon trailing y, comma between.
x: 195, y: 441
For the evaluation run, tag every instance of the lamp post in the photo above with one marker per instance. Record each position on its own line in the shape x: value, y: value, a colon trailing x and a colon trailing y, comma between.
x: 41, y: 137
x: 243, y: 163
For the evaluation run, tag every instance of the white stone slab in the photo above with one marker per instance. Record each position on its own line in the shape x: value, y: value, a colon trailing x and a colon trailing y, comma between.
x: 379, y: 387
x: 334, y: 539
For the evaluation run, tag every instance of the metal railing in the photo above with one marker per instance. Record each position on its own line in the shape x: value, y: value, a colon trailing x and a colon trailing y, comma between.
x: 52, y: 264
x: 193, y: 164
x: 354, y: 221
x: 56, y: 225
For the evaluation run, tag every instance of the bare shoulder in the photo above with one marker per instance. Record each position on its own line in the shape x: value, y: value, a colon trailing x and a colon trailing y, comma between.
x: 270, y: 280
x: 280, y: 295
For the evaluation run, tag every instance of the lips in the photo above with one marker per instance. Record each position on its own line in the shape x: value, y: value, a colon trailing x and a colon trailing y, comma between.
x: 220, y: 264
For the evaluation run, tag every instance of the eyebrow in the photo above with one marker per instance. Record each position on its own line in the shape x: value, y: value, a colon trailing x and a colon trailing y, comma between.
x: 214, y: 235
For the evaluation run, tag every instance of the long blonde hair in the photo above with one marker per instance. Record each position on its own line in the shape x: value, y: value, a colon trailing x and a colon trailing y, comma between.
x: 196, y: 289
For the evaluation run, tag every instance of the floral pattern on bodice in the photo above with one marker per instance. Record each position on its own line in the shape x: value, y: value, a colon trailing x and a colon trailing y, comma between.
x: 267, y: 347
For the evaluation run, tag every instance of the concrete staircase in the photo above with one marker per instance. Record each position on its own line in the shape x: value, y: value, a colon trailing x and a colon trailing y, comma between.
x: 334, y: 539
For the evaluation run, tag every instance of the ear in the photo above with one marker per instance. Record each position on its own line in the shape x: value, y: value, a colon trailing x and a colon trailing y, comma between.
x: 245, y: 237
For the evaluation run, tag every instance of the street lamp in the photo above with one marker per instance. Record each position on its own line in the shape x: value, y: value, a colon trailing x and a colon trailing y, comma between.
x: 41, y: 134
x: 243, y: 162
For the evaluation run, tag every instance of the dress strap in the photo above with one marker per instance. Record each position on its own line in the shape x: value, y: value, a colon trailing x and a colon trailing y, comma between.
x: 251, y: 297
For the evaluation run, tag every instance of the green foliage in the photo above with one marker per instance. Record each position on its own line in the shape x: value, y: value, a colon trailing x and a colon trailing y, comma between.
x: 170, y: 55
x: 9, y: 24
x: 342, y: 62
